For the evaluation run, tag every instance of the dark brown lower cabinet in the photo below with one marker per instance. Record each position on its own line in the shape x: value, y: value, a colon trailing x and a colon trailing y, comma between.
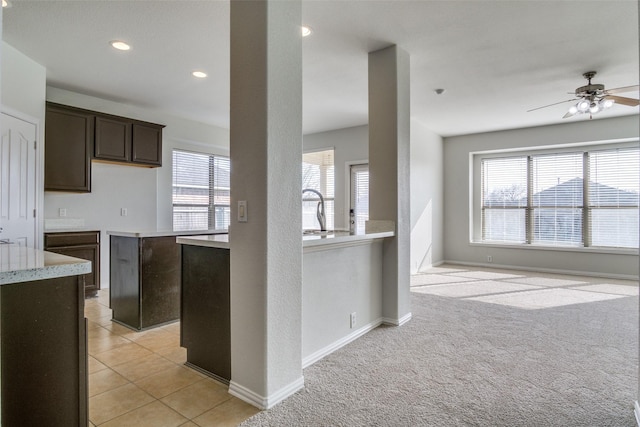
x: 144, y: 282
x: 44, y: 353
x: 205, y: 323
x: 79, y: 244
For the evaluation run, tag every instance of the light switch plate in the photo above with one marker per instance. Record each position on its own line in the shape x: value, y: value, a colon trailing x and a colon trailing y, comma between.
x: 242, y: 211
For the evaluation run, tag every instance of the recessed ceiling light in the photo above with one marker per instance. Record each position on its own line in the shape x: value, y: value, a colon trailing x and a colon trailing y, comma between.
x: 199, y: 74
x: 5, y: 3
x: 306, y: 31
x: 120, y: 45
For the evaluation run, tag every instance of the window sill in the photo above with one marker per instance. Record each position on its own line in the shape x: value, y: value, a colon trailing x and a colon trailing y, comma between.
x: 591, y: 250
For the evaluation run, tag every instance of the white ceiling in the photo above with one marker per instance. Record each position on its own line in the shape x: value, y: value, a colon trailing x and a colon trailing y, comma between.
x: 496, y: 59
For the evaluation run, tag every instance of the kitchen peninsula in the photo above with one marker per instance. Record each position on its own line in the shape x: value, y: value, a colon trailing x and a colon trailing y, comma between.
x: 342, y: 281
x: 145, y: 276
x: 43, y: 338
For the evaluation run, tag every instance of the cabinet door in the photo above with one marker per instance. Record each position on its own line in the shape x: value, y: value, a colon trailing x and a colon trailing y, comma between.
x: 147, y: 144
x: 113, y: 139
x: 90, y: 253
x: 68, y: 148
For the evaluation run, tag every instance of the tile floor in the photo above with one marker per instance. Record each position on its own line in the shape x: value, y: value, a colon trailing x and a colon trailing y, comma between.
x: 139, y: 378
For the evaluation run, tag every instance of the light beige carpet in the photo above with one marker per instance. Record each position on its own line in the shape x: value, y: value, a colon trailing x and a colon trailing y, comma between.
x: 519, y: 349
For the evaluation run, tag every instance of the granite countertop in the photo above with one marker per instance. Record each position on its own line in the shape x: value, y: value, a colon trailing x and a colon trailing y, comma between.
x: 164, y: 233
x: 336, y: 238
x: 22, y: 264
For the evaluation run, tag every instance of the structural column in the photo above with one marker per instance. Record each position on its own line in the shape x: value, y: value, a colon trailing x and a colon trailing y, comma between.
x: 266, y: 156
x: 389, y: 123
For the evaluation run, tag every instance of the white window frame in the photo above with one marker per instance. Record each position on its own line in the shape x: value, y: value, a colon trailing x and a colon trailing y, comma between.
x: 475, y: 193
x: 350, y: 167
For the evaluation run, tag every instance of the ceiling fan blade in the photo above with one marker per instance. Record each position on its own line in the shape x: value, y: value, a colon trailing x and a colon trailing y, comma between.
x: 622, y: 89
x: 555, y: 103
x: 569, y: 114
x: 624, y: 101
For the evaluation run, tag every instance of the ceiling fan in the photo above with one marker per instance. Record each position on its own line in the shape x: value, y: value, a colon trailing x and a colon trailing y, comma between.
x: 593, y: 98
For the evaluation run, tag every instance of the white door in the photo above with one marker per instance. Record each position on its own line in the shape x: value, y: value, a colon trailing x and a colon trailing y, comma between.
x: 17, y: 181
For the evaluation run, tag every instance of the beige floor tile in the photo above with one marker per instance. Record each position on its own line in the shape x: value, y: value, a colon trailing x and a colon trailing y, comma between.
x: 99, y: 332
x: 159, y: 340
x: 230, y: 413
x: 95, y: 365
x: 168, y: 381
x: 116, y: 402
x: 152, y: 415
x: 176, y: 355
x: 174, y: 328
x: 104, y: 321
x: 137, y: 369
x: 95, y: 311
x: 105, y: 380
x: 197, y: 398
x: 122, y: 354
x: 118, y: 329
x: 189, y: 424
x: 102, y: 344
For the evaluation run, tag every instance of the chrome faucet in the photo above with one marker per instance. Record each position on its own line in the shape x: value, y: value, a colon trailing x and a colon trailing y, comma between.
x: 319, y: 209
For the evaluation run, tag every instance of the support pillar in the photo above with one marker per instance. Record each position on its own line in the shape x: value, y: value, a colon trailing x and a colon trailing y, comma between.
x: 389, y: 124
x: 266, y: 156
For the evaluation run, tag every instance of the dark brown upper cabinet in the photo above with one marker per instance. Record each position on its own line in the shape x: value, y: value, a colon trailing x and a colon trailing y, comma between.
x: 73, y: 137
x: 147, y: 144
x: 69, y: 136
x: 113, y: 139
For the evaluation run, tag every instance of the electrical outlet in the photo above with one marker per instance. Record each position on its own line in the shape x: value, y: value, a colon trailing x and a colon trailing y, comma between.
x: 352, y: 320
x: 489, y: 258
x: 123, y: 212
x: 62, y: 212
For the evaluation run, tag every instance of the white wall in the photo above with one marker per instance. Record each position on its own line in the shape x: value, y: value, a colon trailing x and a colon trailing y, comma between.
x: 457, y: 201
x: 426, y: 197
x: 145, y: 192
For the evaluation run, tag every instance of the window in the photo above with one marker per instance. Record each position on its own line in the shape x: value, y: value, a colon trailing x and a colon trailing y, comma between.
x: 200, y: 191
x: 360, y: 195
x: 318, y: 174
x: 578, y: 198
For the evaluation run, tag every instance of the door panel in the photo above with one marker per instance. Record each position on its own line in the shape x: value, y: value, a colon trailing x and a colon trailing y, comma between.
x: 17, y: 181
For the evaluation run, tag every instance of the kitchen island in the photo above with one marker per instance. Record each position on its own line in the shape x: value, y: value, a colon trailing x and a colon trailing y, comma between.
x: 342, y: 275
x: 43, y: 349
x: 144, y: 277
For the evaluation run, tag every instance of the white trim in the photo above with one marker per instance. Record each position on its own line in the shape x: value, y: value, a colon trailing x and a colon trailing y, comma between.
x: 347, y: 186
x: 397, y: 322
x: 314, y: 357
x: 581, y: 249
x: 545, y: 270
x: 636, y: 412
x: 262, y: 402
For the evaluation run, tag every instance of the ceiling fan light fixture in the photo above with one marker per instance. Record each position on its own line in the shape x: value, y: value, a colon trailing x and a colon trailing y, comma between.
x: 606, y: 103
x: 594, y: 108
x: 583, y: 105
x: 573, y: 110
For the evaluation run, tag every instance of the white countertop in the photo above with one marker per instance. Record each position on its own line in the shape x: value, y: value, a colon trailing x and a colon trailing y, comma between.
x: 220, y: 241
x: 337, y: 238
x: 164, y: 233
x: 22, y: 264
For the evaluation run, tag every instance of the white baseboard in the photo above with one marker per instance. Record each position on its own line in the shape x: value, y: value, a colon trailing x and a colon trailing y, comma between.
x: 397, y: 322
x: 636, y: 411
x: 314, y: 357
x: 544, y: 270
x: 262, y: 402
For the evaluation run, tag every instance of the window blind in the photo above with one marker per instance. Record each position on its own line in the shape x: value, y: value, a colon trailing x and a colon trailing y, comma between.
x: 581, y: 198
x: 556, y: 185
x: 504, y: 199
x: 318, y: 174
x: 360, y: 195
x: 613, y: 197
x: 200, y: 191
